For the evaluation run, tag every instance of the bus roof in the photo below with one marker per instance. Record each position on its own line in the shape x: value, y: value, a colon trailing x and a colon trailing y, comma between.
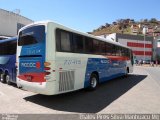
x: 75, y: 31
x: 3, y: 37
x: 8, y: 40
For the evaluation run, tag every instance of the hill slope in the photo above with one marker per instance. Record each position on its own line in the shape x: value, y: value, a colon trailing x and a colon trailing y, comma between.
x: 129, y: 26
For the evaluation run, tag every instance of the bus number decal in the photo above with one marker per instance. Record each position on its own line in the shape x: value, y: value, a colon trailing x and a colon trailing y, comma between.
x: 28, y: 64
x: 72, y: 62
x: 105, y: 61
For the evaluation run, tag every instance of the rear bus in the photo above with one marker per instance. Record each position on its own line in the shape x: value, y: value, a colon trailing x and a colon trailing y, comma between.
x: 54, y: 59
x: 34, y: 65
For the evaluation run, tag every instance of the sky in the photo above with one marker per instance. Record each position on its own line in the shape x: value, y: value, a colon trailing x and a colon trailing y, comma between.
x: 84, y: 15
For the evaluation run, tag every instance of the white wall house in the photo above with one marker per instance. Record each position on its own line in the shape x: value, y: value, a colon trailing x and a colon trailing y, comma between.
x: 11, y: 22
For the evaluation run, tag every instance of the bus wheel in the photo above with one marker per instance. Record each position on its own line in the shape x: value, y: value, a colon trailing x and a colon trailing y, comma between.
x: 93, y: 82
x: 127, y: 71
x: 3, y: 78
x: 0, y: 76
x: 7, y: 78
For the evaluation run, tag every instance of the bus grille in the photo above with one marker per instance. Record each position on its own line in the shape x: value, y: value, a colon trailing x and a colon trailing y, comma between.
x: 66, y: 80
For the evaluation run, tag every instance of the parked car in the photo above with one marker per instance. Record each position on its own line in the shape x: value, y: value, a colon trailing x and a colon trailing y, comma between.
x: 146, y: 61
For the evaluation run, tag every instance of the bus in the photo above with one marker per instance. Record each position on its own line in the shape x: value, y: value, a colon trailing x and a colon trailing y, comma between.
x: 55, y: 59
x: 8, y: 49
x: 3, y: 37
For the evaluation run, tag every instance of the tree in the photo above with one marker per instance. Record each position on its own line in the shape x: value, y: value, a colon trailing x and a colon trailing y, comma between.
x: 145, y: 20
x: 153, y: 20
x: 119, y: 21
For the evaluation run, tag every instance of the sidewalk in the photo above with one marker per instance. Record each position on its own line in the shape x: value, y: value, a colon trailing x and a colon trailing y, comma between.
x: 147, y: 65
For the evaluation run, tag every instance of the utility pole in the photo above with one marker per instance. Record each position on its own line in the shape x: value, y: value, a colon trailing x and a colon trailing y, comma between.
x: 144, y: 32
x: 144, y: 45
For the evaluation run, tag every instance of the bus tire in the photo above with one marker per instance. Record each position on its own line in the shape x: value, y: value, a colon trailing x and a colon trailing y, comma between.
x: 1, y: 72
x: 93, y: 82
x: 7, y: 78
x: 127, y: 71
x: 3, y: 78
x: 0, y: 76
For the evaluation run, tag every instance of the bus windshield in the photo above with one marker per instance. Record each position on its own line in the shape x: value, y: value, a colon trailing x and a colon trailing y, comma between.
x: 31, y: 35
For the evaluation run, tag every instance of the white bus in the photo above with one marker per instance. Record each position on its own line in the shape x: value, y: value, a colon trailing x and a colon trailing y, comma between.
x: 53, y: 59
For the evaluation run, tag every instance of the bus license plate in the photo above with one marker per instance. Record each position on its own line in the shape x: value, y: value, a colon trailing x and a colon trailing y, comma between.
x: 29, y: 78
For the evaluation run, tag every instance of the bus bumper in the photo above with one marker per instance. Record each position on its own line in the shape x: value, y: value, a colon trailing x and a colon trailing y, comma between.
x: 45, y: 88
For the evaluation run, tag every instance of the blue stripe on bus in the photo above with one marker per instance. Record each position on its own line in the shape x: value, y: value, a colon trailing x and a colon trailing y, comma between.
x: 106, y: 69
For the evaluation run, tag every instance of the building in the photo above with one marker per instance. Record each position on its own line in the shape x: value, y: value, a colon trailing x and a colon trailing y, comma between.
x: 135, y: 28
x: 136, y: 43
x: 11, y: 22
x: 156, y: 48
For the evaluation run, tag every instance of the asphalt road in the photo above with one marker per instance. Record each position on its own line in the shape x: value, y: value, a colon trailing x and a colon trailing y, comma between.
x: 137, y: 93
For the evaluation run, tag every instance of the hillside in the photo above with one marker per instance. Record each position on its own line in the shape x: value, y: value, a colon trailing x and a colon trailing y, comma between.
x: 130, y: 26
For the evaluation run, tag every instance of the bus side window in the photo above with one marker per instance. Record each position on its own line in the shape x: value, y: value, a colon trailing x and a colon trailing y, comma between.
x: 109, y: 48
x: 127, y: 54
x: 114, y: 49
x: 102, y: 46
x: 65, y: 41
x: 3, y: 50
x: 78, y: 43
x: 96, y: 47
x: 58, y: 41
x: 88, y: 45
x: 13, y: 48
x: 123, y: 51
x: 118, y: 51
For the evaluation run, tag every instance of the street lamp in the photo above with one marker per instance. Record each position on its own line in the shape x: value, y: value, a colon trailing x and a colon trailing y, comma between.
x: 144, y: 45
x: 144, y: 32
